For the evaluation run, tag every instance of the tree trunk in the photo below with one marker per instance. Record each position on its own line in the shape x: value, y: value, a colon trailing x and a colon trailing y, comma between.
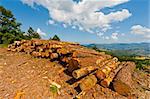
x: 73, y: 64
x: 36, y: 54
x: 89, y: 82
x: 64, y: 51
x: 123, y: 82
x: 106, y: 81
x: 103, y: 72
x: 83, y: 71
x: 54, y: 56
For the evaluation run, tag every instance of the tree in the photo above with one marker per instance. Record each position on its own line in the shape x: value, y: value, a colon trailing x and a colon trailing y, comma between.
x: 50, y: 38
x: 9, y: 27
x: 30, y: 31
x: 56, y: 38
x: 1, y: 35
x: 32, y: 34
x: 95, y: 48
x: 8, y: 38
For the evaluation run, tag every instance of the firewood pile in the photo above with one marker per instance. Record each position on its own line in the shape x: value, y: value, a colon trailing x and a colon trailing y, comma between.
x: 89, y: 66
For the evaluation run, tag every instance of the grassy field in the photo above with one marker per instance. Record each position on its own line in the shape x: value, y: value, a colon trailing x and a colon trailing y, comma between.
x: 3, y: 45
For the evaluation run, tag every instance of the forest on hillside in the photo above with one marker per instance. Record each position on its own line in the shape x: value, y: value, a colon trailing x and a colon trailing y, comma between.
x: 142, y: 62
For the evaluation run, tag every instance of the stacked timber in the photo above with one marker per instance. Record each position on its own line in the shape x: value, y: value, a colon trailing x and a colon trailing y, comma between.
x: 86, y: 65
x: 105, y: 70
x: 106, y: 82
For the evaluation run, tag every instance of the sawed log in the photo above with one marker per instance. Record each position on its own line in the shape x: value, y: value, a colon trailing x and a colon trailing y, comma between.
x: 83, y: 71
x: 123, y: 82
x: 106, y: 82
x: 88, y: 83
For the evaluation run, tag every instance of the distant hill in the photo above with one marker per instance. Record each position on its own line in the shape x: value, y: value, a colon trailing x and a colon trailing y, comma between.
x: 142, y: 49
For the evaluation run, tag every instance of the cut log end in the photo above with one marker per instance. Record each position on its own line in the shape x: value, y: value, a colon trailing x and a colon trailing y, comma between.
x: 122, y: 88
x: 123, y: 82
x: 105, y: 83
x: 88, y: 83
x: 75, y: 74
x: 100, y: 75
x: 54, y: 56
x: 73, y: 65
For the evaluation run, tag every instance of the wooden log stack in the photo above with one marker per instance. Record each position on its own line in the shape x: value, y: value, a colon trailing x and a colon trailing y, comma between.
x: 90, y: 66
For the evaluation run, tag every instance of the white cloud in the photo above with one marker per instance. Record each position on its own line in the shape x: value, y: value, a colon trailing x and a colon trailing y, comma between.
x: 90, y: 31
x: 107, y: 38
x: 39, y: 31
x: 86, y: 14
x: 100, y: 34
x: 73, y: 27
x: 51, y: 22
x: 81, y: 28
x: 140, y: 30
x: 114, y: 36
x: 64, y: 25
x: 29, y: 2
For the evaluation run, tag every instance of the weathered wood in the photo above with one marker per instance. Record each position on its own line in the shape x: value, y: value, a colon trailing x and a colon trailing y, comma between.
x: 84, y: 52
x: 103, y: 72
x: 83, y: 71
x: 55, y: 46
x: 88, y: 83
x: 106, y: 82
x: 17, y: 43
x: 36, y: 54
x: 27, y: 43
x: 65, y: 59
x: 20, y: 49
x: 73, y: 64
x: 54, y: 56
x: 39, y: 49
x: 101, y: 61
x: 28, y: 49
x: 64, y: 51
x: 123, y: 82
x: 10, y: 47
x: 81, y: 54
x: 24, y: 41
x: 81, y: 62
x: 45, y: 54
x: 37, y: 42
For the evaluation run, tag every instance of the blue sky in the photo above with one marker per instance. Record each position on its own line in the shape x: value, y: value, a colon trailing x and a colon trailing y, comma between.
x: 88, y: 21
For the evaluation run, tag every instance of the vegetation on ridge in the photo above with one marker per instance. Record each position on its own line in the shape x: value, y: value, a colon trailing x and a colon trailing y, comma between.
x: 141, y: 62
x: 10, y: 29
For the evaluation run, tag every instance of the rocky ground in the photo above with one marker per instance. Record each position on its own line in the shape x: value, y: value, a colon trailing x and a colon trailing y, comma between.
x: 25, y: 77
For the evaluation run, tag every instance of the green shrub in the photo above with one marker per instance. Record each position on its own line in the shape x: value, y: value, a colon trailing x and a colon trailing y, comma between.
x: 55, y: 38
x: 54, y: 89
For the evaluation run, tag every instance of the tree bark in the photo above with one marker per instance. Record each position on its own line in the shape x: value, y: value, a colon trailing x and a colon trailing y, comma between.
x: 123, y: 82
x: 83, y: 71
x: 54, y: 56
x: 106, y: 81
x: 89, y: 82
x: 103, y: 72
